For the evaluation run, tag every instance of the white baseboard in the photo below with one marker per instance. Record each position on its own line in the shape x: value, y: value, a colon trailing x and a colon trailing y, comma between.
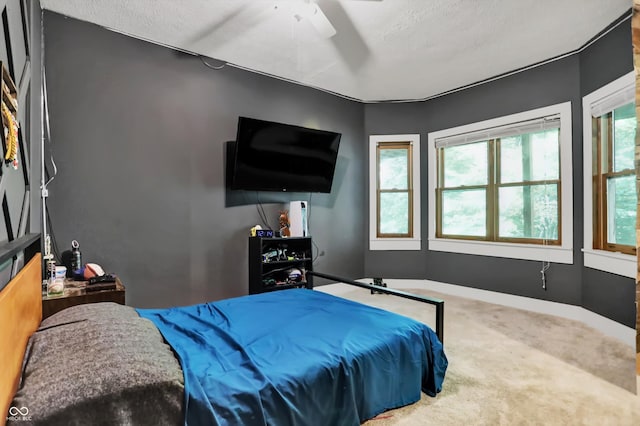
x: 625, y: 334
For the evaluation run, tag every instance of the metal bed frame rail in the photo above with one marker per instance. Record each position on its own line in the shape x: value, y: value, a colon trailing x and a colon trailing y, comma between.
x: 439, y: 303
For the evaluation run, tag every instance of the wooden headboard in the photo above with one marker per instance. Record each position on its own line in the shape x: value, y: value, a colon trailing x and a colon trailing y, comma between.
x: 20, y: 316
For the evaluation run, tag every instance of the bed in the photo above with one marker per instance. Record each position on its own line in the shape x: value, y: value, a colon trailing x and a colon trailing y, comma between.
x: 294, y: 357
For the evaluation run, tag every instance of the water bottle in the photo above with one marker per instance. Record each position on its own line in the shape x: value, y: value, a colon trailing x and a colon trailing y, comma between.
x: 51, y: 270
x: 76, y: 257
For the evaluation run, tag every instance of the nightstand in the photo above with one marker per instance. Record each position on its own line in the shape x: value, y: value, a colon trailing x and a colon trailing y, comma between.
x: 75, y: 293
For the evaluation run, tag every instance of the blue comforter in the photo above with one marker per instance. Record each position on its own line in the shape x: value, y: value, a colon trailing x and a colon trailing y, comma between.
x: 298, y: 357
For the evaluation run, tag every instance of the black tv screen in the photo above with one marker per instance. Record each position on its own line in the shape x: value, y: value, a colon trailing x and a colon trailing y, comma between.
x: 273, y: 156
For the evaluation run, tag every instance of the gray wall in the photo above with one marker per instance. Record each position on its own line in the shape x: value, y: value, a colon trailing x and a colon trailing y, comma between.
x: 564, y: 80
x: 138, y: 135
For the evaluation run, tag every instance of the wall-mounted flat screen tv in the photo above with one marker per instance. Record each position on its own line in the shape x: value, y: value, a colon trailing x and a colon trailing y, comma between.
x: 273, y: 156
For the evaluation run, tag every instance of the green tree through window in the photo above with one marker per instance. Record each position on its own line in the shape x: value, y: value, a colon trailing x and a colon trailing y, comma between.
x: 501, y: 189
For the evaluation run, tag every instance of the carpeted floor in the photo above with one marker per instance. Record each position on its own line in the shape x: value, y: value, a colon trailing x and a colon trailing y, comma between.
x: 514, y: 367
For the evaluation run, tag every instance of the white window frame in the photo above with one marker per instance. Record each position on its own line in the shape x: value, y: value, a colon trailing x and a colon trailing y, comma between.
x: 603, y: 260
x: 405, y: 243
x: 557, y: 254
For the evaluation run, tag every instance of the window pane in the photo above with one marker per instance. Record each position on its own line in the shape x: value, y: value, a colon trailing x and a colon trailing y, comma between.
x: 394, y: 168
x: 603, y: 140
x: 621, y: 210
x: 530, y: 157
x: 394, y: 213
x: 529, y: 212
x: 464, y: 212
x: 624, y: 133
x: 465, y: 165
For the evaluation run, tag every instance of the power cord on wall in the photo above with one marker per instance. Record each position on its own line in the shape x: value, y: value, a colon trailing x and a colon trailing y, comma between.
x: 51, y: 246
x: 545, y: 264
x: 261, y: 213
x: 213, y: 67
x: 55, y: 251
x: 545, y: 267
x: 545, y: 241
x: 319, y: 252
x: 46, y: 131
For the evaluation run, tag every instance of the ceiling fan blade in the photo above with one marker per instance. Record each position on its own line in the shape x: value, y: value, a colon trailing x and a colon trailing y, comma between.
x: 227, y: 26
x: 348, y: 41
x: 320, y: 22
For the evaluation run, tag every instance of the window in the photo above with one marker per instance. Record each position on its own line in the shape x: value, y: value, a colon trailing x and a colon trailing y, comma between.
x: 610, y: 181
x: 394, y: 190
x: 502, y: 187
x: 614, y: 187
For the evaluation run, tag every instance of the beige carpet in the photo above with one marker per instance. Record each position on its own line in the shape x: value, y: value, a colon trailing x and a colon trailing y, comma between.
x: 514, y: 367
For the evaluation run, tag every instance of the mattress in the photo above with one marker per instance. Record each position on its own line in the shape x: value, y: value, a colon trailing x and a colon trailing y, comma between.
x: 298, y: 357
x: 295, y: 357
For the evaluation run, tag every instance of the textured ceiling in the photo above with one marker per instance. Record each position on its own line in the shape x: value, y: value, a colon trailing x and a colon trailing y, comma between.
x: 382, y: 49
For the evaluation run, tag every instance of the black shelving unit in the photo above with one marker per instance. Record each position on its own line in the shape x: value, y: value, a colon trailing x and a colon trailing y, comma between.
x: 279, y: 263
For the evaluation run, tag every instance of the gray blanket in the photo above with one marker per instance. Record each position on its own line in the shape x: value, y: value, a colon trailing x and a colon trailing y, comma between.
x: 99, y: 364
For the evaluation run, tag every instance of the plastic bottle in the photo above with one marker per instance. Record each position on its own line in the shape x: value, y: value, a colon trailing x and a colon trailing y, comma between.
x: 51, y: 269
x: 76, y: 257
